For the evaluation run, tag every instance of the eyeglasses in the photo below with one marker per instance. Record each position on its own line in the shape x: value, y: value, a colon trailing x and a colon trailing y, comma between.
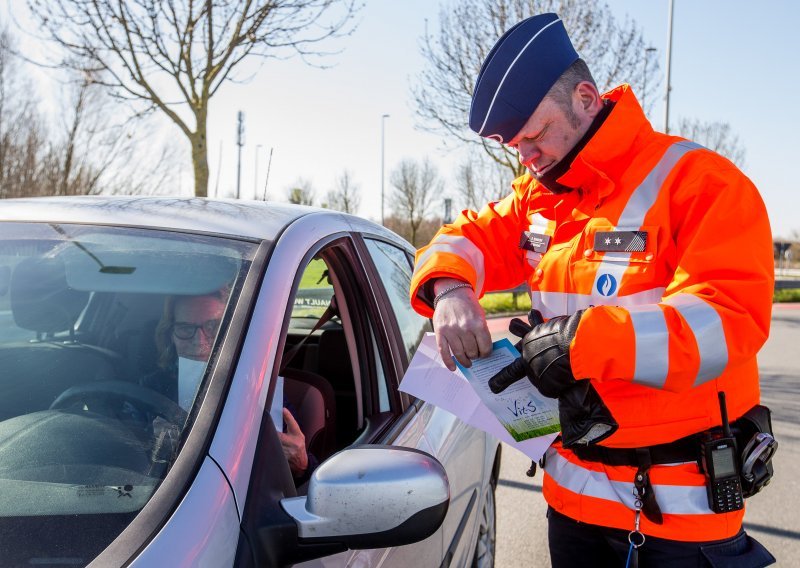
x: 188, y: 330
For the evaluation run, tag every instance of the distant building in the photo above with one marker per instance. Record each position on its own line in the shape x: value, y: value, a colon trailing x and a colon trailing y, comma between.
x: 785, y: 253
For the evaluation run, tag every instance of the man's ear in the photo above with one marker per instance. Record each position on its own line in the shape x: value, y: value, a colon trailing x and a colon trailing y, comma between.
x: 587, y: 100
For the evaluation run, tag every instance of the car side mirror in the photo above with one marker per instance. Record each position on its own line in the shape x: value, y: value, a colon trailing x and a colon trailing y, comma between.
x: 372, y: 497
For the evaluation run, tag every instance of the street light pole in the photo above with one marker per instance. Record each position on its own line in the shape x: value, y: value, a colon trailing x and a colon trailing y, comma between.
x: 266, y: 181
x: 647, y: 53
x: 669, y: 62
x: 255, y: 179
x: 239, y: 143
x: 383, y: 176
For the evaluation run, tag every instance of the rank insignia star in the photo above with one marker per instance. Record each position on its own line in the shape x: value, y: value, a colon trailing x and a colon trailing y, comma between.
x: 620, y: 241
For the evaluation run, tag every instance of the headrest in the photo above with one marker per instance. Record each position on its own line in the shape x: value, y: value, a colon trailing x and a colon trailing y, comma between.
x: 41, y: 299
x: 518, y: 72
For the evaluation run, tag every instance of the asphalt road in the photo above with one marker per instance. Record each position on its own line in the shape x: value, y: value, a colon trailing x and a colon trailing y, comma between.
x: 773, y: 516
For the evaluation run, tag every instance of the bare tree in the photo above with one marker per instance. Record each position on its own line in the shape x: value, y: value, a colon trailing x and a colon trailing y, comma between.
x: 425, y: 232
x: 345, y: 196
x: 478, y: 181
x: 90, y: 144
x: 416, y: 186
x: 93, y: 149
x: 615, y: 52
x: 717, y: 136
x: 174, y: 55
x: 22, y: 139
x: 86, y: 151
x: 301, y: 192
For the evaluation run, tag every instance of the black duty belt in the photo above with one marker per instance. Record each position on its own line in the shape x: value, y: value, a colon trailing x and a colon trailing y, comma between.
x: 682, y: 450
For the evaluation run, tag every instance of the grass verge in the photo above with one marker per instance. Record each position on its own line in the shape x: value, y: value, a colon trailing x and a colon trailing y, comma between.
x: 787, y: 295
x: 503, y: 302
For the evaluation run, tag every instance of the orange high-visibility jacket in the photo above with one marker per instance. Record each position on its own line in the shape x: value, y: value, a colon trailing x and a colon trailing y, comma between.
x: 669, y: 322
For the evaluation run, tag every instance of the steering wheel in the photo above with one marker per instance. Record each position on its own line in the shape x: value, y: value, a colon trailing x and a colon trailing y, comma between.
x: 109, y: 394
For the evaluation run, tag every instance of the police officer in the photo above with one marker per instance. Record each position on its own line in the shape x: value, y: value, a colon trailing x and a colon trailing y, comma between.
x: 650, y: 258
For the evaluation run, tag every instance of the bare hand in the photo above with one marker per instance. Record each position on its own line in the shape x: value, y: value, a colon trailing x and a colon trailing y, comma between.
x: 293, y: 443
x: 460, y: 325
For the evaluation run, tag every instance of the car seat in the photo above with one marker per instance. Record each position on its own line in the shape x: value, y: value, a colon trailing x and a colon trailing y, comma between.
x: 311, y: 401
x: 334, y: 364
x: 36, y: 372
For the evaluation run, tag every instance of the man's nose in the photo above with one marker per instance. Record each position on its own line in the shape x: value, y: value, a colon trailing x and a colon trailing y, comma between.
x: 528, y: 153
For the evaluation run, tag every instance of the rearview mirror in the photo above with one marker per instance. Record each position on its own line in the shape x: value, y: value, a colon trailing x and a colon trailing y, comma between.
x: 372, y: 497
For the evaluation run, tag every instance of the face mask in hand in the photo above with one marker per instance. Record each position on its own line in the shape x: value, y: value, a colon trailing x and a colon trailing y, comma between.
x: 190, y: 373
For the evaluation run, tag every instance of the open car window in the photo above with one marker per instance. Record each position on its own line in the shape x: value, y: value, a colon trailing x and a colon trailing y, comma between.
x: 336, y: 356
x: 318, y: 363
x: 105, y: 338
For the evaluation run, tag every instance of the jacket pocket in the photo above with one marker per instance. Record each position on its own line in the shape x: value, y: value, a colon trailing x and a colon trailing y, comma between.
x: 629, y: 272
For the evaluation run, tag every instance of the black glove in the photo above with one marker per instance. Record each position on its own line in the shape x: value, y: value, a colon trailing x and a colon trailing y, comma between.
x: 545, y: 361
x: 545, y: 354
x: 584, y: 417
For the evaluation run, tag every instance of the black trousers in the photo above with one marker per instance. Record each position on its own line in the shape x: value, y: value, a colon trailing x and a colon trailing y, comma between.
x: 580, y: 545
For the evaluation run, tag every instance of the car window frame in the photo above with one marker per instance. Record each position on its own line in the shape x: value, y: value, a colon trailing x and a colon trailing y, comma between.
x: 387, y: 315
x: 343, y: 257
x: 384, y: 329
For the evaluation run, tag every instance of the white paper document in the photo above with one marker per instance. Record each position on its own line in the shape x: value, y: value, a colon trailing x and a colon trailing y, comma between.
x: 521, y: 409
x: 276, y: 410
x: 519, y: 416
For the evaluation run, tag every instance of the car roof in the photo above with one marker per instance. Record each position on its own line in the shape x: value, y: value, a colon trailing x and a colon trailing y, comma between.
x: 229, y: 217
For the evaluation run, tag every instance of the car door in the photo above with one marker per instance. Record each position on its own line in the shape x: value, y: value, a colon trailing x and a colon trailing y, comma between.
x: 362, y: 354
x: 353, y: 350
x: 460, y: 448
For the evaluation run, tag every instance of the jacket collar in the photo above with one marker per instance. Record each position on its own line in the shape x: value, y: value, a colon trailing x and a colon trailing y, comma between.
x: 609, y: 150
x: 603, y: 157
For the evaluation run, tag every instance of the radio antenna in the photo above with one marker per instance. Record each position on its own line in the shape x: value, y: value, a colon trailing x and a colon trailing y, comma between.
x: 723, y: 410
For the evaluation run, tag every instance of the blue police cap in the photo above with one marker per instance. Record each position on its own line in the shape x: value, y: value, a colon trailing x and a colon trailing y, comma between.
x: 517, y: 73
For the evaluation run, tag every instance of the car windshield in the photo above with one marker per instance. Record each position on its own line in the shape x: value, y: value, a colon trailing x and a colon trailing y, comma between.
x: 105, y: 338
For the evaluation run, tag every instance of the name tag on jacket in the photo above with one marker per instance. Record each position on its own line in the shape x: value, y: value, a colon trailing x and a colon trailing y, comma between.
x: 620, y: 241
x: 536, y: 242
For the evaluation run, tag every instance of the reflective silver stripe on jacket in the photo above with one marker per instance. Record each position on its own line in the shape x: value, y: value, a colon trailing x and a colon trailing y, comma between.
x: 539, y: 223
x: 652, y: 340
x: 553, y: 304
x: 706, y: 325
x: 461, y: 247
x: 672, y: 499
x: 639, y: 203
x: 652, y: 346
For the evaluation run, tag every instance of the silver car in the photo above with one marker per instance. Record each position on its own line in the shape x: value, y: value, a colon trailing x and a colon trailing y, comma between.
x: 188, y: 382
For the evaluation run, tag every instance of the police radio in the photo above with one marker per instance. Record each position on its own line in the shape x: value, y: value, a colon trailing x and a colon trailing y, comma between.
x: 719, y: 460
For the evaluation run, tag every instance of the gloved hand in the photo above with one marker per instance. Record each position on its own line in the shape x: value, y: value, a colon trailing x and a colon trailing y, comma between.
x: 545, y: 361
x: 545, y: 354
x: 584, y: 417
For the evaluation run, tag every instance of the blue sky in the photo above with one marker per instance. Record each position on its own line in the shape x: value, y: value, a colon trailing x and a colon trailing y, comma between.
x: 733, y: 61
x: 730, y: 62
